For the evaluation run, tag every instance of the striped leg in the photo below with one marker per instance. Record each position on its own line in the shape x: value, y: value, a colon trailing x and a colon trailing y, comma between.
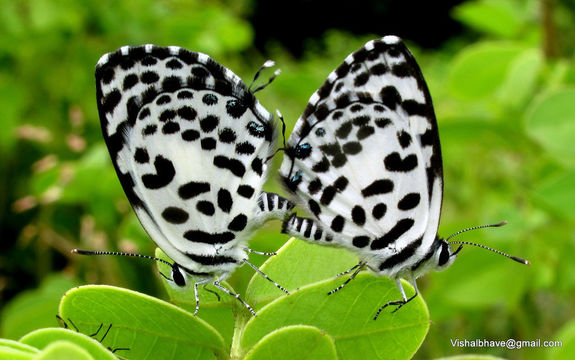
x: 204, y: 281
x: 357, y: 269
x: 404, y: 300
x: 306, y: 229
x: 265, y: 276
x: 237, y: 296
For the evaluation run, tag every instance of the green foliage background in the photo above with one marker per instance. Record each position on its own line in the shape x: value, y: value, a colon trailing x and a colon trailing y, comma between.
x: 505, y: 102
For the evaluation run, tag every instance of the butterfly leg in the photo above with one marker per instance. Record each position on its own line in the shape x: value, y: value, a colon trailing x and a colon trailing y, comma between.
x: 357, y: 269
x: 403, y: 301
x: 265, y: 276
x: 237, y: 296
x: 260, y: 253
x: 204, y: 281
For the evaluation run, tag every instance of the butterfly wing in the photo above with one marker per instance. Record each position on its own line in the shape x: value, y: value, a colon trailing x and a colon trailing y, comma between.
x: 189, y: 143
x: 364, y: 159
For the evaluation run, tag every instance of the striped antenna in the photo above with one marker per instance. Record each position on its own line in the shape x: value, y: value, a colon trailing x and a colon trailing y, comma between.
x: 90, y: 252
x: 518, y: 259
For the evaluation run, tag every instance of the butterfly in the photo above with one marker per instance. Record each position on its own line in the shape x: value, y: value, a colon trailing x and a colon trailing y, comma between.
x: 365, y: 160
x: 189, y: 143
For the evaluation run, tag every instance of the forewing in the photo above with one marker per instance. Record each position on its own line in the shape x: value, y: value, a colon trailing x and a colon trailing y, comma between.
x: 364, y: 157
x: 188, y: 142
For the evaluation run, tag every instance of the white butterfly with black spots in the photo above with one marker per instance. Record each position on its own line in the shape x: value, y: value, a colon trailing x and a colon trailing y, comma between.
x: 364, y: 159
x: 189, y: 142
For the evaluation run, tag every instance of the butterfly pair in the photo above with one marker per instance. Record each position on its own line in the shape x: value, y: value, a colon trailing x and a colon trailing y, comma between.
x: 189, y: 142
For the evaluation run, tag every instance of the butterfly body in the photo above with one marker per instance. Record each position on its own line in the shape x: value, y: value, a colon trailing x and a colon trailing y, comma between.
x: 189, y: 142
x: 364, y: 159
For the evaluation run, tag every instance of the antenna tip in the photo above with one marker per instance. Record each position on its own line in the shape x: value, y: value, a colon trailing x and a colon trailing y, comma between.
x: 74, y: 251
x: 279, y: 114
x: 520, y: 260
x: 501, y: 223
x: 269, y: 63
x: 277, y: 72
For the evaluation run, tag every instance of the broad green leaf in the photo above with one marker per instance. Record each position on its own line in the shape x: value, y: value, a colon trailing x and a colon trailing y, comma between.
x: 11, y: 349
x: 347, y: 317
x: 558, y: 194
x: 480, y: 69
x: 64, y: 350
x: 7, y: 343
x: 551, y: 122
x: 297, y: 342
x: 297, y: 264
x: 497, y: 18
x: 149, y: 327
x: 43, y: 338
x: 522, y: 78
x: 34, y: 309
x: 14, y: 354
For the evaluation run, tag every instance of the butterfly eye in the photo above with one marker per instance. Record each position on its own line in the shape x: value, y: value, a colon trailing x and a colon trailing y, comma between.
x: 443, y: 255
x: 178, y: 277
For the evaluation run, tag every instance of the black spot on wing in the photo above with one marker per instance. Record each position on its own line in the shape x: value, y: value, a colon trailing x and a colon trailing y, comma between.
x: 394, y: 162
x: 358, y: 215
x: 235, y: 166
x: 141, y: 156
x: 381, y: 186
x: 360, y: 241
x: 225, y: 201
x: 199, y: 236
x: 193, y: 189
x: 390, y: 97
x: 190, y: 135
x: 245, y: 191
x: 314, y: 207
x: 175, y: 215
x: 238, y: 223
x: 314, y: 186
x: 164, y: 175
x: 187, y: 113
x: 206, y: 207
x: 409, y: 201
x: 337, y: 223
x: 378, y: 211
x: 400, y: 228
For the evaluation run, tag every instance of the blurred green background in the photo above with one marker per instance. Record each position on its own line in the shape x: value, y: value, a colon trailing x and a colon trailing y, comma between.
x: 502, y: 78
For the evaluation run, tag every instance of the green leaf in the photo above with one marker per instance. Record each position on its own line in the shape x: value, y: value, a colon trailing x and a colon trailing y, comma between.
x: 34, y: 309
x: 497, y: 18
x: 149, y: 327
x: 14, y: 350
x: 347, y: 316
x: 297, y: 342
x: 44, y: 338
x: 551, y: 122
x: 292, y: 270
x: 64, y: 350
x: 480, y: 69
x: 7, y: 343
x: 558, y: 194
x: 522, y: 76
